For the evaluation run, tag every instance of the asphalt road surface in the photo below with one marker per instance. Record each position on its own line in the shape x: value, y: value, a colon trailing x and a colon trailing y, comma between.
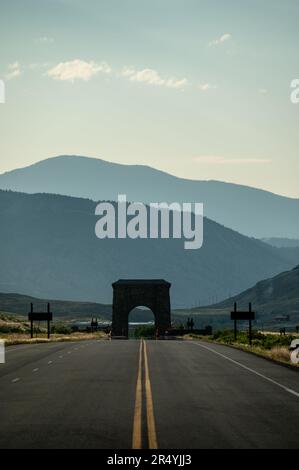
x: 145, y: 394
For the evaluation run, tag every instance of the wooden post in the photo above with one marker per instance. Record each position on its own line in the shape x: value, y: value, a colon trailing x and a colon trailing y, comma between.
x: 31, y: 321
x: 40, y: 316
x: 240, y: 315
x: 250, y: 327
x: 235, y: 322
x: 48, y: 322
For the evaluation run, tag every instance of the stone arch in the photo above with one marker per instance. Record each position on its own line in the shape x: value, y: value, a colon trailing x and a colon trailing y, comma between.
x: 131, y: 293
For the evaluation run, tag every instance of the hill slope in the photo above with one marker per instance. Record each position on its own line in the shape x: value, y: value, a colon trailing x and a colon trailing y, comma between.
x: 250, y: 211
x: 48, y: 249
x: 20, y: 305
x: 277, y: 295
x: 282, y: 242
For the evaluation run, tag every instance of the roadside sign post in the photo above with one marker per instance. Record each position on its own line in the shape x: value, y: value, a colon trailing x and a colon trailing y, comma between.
x: 235, y: 321
x: 48, y: 321
x: 31, y: 320
x: 250, y: 327
x: 242, y: 315
x: 40, y: 316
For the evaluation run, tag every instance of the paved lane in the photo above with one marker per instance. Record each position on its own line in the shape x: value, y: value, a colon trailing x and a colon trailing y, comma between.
x: 162, y: 394
x: 72, y: 395
x: 204, y: 400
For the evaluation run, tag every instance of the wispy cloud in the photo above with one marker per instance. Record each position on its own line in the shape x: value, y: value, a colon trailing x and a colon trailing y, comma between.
x: 45, y: 40
x: 206, y: 86
x: 216, y: 160
x: 14, y: 71
x: 263, y: 91
x: 152, y: 77
x: 219, y: 41
x: 78, y: 70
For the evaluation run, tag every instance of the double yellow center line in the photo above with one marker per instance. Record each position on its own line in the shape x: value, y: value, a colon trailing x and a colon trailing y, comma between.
x: 150, y: 419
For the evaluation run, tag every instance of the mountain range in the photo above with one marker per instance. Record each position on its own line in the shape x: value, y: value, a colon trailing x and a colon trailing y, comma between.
x: 282, y: 242
x: 48, y: 249
x: 275, y: 296
x: 62, y: 310
x: 252, y: 212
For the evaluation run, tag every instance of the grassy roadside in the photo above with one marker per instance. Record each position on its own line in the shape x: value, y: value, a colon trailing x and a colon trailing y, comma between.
x: 19, y: 338
x: 14, y: 330
x: 267, y: 345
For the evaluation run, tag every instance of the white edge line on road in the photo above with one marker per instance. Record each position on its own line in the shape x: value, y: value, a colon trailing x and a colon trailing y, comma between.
x: 25, y: 346
x: 8, y: 349
x: 286, y: 389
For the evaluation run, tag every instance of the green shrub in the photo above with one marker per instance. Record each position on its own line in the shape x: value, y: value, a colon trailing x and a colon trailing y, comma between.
x: 10, y: 329
x: 145, y: 331
x: 267, y: 341
x: 61, y: 329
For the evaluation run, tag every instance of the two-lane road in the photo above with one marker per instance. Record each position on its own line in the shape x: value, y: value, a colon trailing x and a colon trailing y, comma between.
x: 140, y: 394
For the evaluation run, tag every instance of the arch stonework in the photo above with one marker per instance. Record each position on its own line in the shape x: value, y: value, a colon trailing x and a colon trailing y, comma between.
x: 131, y: 293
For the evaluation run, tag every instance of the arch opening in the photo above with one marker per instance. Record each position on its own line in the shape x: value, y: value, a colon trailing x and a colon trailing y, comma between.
x: 142, y: 322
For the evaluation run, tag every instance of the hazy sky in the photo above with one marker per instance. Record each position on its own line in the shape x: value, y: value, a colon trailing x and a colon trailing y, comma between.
x: 199, y: 88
